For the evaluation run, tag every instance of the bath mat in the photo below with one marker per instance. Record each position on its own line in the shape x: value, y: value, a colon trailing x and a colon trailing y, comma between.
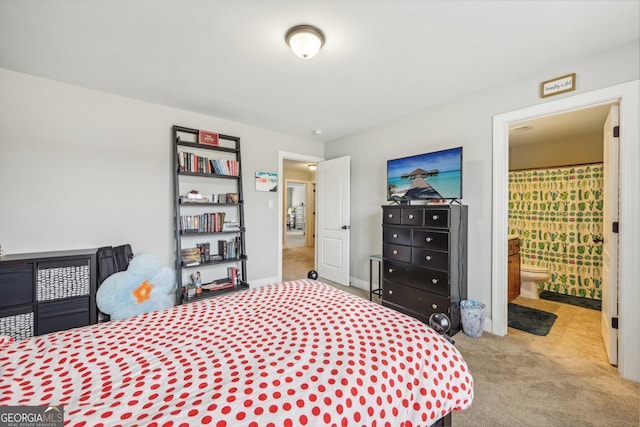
x: 593, y: 304
x: 530, y: 320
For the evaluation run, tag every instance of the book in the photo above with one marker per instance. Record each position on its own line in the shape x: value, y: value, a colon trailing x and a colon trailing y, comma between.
x: 205, y: 252
x: 215, y: 286
x: 190, y: 257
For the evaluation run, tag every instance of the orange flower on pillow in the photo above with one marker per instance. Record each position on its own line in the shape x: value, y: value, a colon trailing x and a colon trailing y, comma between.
x: 143, y: 292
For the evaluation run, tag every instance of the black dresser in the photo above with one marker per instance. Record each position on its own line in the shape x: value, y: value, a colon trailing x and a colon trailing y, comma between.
x: 46, y: 292
x: 425, y: 260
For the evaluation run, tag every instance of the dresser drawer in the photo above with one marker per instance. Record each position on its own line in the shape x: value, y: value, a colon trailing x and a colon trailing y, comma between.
x: 397, y: 235
x: 438, y: 218
x: 63, y: 314
x: 431, y: 259
x: 412, y: 217
x: 391, y: 216
x: 414, y: 299
x: 16, y: 284
x: 422, y: 278
x: 396, y: 252
x: 438, y: 240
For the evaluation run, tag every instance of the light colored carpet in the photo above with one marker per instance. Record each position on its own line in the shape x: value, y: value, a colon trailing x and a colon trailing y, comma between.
x: 521, y: 381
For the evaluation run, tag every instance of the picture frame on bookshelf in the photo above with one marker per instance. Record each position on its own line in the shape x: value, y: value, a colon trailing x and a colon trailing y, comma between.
x: 208, y: 138
x: 233, y: 198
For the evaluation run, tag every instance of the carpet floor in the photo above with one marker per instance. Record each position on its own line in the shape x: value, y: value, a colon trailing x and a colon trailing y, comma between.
x: 530, y: 320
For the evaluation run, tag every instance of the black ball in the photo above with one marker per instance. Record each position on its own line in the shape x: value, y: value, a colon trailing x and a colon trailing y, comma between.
x: 312, y: 274
x: 440, y: 322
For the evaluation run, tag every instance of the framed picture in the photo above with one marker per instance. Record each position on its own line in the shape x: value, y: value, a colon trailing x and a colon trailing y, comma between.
x: 209, y: 138
x: 266, y: 181
x: 558, y: 85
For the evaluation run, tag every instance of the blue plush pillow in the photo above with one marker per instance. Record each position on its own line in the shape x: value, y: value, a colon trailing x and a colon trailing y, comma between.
x: 145, y: 286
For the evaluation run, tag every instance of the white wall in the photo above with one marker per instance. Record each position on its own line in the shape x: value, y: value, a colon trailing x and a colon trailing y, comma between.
x: 82, y: 169
x: 466, y: 122
x: 563, y: 152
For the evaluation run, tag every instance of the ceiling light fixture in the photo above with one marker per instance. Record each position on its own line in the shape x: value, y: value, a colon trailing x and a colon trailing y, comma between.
x: 305, y: 40
x: 312, y: 166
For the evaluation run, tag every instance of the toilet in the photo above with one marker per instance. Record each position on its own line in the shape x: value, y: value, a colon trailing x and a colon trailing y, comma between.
x: 530, y: 276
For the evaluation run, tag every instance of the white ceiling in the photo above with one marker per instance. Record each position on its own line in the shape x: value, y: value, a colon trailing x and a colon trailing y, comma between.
x: 560, y: 127
x: 382, y: 59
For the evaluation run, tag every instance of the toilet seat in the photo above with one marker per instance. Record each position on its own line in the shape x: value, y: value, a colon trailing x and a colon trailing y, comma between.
x: 533, y: 268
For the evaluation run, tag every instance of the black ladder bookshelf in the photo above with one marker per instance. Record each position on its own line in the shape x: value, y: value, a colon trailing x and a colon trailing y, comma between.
x: 209, y: 214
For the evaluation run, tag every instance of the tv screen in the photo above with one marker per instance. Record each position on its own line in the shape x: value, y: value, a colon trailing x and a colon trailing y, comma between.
x: 429, y: 176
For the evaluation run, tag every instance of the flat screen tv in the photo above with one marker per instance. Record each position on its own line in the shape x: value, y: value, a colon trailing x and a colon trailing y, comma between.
x: 429, y: 176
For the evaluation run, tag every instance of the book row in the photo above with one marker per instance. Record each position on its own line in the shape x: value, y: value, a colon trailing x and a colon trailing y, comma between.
x: 205, y: 223
x: 201, y: 254
x: 191, y: 162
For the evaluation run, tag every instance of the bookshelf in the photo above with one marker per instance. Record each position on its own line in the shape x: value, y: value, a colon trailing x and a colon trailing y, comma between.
x: 209, y: 214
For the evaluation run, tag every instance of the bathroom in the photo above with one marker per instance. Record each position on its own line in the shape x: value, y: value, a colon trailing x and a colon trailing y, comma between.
x: 556, y: 206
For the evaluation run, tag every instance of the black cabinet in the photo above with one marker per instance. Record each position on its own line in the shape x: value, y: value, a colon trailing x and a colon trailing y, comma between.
x: 209, y: 214
x: 47, y: 292
x: 425, y: 260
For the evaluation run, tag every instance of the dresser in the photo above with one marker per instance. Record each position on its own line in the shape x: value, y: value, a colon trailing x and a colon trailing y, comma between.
x: 46, y: 292
x: 425, y: 260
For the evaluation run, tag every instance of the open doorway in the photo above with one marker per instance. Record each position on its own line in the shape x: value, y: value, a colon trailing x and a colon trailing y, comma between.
x: 296, y: 225
x: 629, y: 297
x: 557, y: 200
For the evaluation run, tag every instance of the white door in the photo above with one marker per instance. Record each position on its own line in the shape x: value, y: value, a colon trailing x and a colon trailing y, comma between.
x: 610, y: 244
x: 333, y: 219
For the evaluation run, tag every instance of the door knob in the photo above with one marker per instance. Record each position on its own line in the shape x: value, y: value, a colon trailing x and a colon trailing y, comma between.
x: 346, y: 227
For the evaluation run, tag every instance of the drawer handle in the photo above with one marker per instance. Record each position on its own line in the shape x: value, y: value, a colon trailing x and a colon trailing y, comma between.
x: 390, y: 291
x: 391, y: 270
x: 428, y: 239
x: 435, y: 217
x: 434, y: 281
x: 395, y: 252
x: 395, y: 236
x: 434, y: 306
x: 390, y: 215
x: 428, y: 257
x: 411, y: 216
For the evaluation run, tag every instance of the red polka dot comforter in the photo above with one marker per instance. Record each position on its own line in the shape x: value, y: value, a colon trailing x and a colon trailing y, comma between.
x: 298, y: 353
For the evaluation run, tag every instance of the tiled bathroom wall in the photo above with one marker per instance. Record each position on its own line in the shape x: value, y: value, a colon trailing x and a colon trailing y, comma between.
x: 557, y: 212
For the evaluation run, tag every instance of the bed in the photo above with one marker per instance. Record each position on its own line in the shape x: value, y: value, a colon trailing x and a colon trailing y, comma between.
x: 298, y: 353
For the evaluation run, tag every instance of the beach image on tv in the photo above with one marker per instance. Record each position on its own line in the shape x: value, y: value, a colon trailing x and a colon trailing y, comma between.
x: 436, y: 175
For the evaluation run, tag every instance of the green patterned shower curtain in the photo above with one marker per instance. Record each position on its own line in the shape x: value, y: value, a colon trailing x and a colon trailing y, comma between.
x: 557, y: 212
